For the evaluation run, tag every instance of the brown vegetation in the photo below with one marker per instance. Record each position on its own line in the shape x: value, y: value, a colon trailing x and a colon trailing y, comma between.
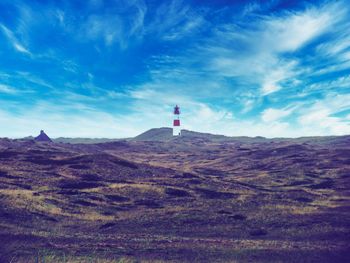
x: 178, y: 200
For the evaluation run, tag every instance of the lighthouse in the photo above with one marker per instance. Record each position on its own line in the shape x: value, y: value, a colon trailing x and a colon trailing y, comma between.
x: 176, y: 123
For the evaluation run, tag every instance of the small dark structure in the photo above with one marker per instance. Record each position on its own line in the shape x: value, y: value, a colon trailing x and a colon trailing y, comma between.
x: 177, y: 110
x: 42, y: 137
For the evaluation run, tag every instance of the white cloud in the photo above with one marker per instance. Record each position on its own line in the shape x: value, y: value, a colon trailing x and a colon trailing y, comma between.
x: 7, y: 89
x: 334, y: 52
x: 294, y: 30
x: 13, y: 40
x: 113, y: 26
x: 320, y: 117
x: 185, y: 29
x: 248, y: 104
x: 335, y: 47
x: 271, y: 81
x: 271, y: 115
x: 251, y: 8
x: 257, y: 53
x: 106, y: 27
x: 174, y: 20
x: 339, y: 83
x: 83, y: 121
x: 27, y: 77
x: 60, y: 16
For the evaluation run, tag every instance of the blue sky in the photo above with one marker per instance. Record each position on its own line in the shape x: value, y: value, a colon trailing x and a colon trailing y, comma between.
x: 117, y: 68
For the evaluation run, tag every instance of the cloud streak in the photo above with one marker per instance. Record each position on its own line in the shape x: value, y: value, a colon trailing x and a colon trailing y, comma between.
x: 14, y: 41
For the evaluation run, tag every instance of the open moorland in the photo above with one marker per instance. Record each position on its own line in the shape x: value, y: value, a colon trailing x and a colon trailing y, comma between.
x: 158, y: 198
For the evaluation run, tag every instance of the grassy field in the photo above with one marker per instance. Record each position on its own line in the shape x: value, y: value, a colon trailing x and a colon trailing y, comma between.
x: 180, y: 200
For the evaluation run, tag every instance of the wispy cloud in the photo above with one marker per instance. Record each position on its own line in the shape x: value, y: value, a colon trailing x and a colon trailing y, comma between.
x: 7, y: 89
x: 271, y: 115
x: 320, y: 115
x: 116, y: 26
x: 263, y: 50
x: 174, y: 20
x: 104, y: 27
x: 14, y: 41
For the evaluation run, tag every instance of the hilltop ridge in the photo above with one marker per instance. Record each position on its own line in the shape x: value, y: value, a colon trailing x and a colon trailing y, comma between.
x: 165, y: 134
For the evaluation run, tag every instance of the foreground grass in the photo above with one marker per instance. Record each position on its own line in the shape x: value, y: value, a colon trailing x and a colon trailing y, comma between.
x: 242, y: 255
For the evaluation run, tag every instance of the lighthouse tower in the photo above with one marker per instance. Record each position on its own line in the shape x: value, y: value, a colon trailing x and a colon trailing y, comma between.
x: 176, y: 124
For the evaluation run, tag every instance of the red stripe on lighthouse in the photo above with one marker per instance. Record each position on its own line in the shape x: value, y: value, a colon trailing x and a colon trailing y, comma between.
x: 176, y: 122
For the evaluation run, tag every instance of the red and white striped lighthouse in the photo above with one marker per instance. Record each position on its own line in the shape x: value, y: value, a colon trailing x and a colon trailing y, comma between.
x: 176, y: 123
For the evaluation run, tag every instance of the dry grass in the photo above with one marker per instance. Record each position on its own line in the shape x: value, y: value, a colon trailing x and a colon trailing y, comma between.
x: 116, y: 204
x: 290, y: 209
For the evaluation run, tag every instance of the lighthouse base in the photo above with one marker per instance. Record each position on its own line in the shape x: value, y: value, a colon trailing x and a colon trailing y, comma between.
x: 176, y: 131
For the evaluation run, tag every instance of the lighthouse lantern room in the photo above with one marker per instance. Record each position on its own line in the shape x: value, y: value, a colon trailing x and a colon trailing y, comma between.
x: 176, y: 123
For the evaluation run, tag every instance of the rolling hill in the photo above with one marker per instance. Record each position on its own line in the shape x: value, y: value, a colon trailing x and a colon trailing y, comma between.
x: 195, y: 198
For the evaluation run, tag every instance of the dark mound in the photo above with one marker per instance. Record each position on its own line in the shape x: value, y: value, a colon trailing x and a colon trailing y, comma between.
x: 148, y: 203
x: 91, y: 177
x: 176, y: 192
x: 42, y: 137
x: 124, y: 163
x: 323, y: 185
x: 108, y: 225
x: 117, y: 198
x: 210, y: 171
x: 8, y: 154
x: 189, y: 175
x: 79, y: 166
x: 194, y: 181
x: 79, y: 185
x: 258, y: 232
x: 83, y: 203
x: 238, y: 217
x: 304, y: 199
x: 210, y: 194
x: 3, y: 174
